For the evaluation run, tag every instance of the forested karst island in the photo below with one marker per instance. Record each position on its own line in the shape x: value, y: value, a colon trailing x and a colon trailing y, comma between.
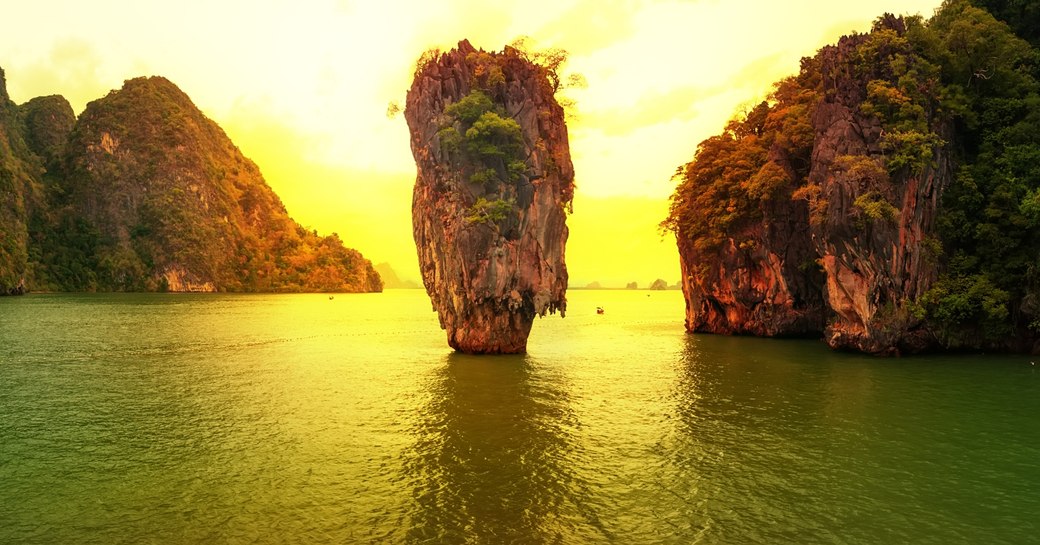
x: 491, y: 195
x: 143, y: 192
x: 886, y: 196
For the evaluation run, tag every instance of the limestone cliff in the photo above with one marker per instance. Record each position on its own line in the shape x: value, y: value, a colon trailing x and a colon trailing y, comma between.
x: 760, y: 282
x: 48, y: 121
x: 873, y: 230
x: 489, y: 207
x: 746, y: 254
x: 886, y: 197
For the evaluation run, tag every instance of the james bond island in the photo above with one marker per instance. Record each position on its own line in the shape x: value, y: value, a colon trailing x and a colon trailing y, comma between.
x: 492, y: 193
x: 887, y: 196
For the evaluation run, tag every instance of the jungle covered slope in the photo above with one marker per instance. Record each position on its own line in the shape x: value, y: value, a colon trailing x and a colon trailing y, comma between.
x: 887, y: 196
x: 20, y: 197
x: 145, y: 193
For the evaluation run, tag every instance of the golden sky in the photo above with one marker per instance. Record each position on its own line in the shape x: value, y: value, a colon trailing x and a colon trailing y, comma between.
x: 302, y: 87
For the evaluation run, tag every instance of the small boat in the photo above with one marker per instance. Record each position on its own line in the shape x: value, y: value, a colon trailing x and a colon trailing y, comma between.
x: 599, y: 310
x: 331, y: 297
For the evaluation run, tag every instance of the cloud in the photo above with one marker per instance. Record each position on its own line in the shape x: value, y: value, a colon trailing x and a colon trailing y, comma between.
x: 679, y: 104
x: 72, y: 68
x: 588, y: 25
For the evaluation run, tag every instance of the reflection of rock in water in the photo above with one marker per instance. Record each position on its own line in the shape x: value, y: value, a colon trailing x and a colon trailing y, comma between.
x: 493, y: 457
x: 742, y: 405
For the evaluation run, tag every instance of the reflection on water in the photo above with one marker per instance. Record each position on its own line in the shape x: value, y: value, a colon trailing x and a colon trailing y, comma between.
x: 492, y: 454
x: 284, y: 419
x: 789, y: 442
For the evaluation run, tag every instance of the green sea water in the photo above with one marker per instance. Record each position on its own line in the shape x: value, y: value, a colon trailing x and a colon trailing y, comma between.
x: 305, y: 419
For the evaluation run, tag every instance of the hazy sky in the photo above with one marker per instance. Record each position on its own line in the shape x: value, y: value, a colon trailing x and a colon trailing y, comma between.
x: 302, y: 87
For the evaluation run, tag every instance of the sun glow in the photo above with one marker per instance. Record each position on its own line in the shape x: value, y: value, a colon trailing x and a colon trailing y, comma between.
x: 302, y: 89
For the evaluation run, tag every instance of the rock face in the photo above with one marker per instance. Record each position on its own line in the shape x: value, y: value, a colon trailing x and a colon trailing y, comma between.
x: 878, y: 265
x: 48, y: 122
x: 816, y: 213
x: 178, y: 207
x: 758, y: 283
x: 489, y: 206
x: 744, y: 240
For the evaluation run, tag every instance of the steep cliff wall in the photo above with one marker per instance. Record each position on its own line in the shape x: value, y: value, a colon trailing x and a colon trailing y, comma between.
x: 145, y: 193
x: 763, y: 285
x: 872, y: 236
x: 47, y: 122
x: 489, y: 205
x: 745, y: 249
x: 822, y: 209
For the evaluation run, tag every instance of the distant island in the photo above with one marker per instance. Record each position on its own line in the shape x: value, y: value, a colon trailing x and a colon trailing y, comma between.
x: 656, y: 285
x: 887, y: 196
x: 392, y: 281
x: 143, y: 192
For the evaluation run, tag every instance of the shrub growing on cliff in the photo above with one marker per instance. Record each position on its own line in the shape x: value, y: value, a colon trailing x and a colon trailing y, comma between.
x: 491, y: 143
x: 470, y: 107
x: 761, y: 157
x: 429, y: 56
x: 493, y: 137
x: 909, y: 150
x: 489, y: 212
x: 551, y: 62
x: 874, y: 206
x: 952, y: 303
x: 450, y: 139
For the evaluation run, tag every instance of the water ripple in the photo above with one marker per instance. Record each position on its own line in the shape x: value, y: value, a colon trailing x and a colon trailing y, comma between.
x: 272, y: 419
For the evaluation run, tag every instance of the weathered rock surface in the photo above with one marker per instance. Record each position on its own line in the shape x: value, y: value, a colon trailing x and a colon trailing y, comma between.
x: 489, y: 274
x: 837, y: 242
x: 875, y: 267
x: 761, y: 289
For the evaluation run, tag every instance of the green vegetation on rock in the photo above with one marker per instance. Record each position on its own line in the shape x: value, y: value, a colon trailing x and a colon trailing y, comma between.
x: 962, y: 86
x: 488, y: 145
x: 21, y: 198
x: 144, y: 193
x: 732, y: 179
x: 490, y: 212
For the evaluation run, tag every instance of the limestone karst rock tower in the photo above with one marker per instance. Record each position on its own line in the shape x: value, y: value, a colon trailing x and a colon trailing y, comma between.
x: 491, y: 195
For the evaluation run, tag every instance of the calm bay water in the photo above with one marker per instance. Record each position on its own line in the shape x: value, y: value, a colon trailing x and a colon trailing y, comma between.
x: 300, y: 419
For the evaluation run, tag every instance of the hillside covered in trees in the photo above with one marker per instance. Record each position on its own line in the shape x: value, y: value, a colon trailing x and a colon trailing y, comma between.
x: 887, y: 196
x: 144, y: 193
